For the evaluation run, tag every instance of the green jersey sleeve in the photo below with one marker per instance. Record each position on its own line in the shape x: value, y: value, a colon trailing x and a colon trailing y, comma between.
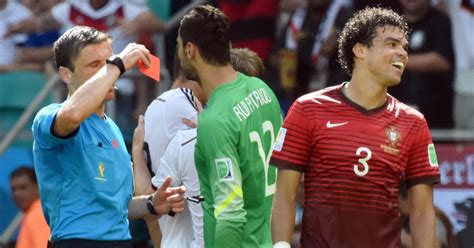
x: 221, y: 159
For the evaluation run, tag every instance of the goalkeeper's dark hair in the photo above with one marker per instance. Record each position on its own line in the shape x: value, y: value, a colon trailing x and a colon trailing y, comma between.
x: 208, y: 28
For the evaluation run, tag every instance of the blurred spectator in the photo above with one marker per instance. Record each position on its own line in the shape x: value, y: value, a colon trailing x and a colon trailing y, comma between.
x: 172, y: 33
x: 465, y: 209
x: 37, y: 47
x: 252, y: 24
x: 306, y: 49
x: 289, y: 6
x: 11, y: 13
x: 34, y: 232
x: 124, y: 21
x: 361, y: 4
x: 462, y: 20
x: 444, y: 229
x: 428, y: 77
x: 32, y: 50
x: 286, y: 8
x: 39, y: 7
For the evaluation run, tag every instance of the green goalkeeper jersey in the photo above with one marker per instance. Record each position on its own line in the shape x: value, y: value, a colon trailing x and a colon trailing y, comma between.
x: 235, y: 138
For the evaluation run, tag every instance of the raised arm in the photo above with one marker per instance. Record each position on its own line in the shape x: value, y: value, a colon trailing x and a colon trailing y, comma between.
x: 90, y: 96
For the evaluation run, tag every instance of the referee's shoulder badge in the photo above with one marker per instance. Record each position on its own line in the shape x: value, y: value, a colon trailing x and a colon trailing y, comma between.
x: 280, y: 140
x: 225, y: 171
x: 432, y: 155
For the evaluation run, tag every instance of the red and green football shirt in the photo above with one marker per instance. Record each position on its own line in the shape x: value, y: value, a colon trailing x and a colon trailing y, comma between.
x: 353, y: 161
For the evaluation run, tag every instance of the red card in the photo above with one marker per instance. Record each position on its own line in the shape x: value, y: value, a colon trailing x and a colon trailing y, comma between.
x: 154, y: 70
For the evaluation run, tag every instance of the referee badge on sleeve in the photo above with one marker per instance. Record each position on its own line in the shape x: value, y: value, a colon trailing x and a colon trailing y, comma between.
x: 280, y: 140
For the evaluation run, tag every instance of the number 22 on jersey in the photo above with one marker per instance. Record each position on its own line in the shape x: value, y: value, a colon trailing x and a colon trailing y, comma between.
x: 267, y: 127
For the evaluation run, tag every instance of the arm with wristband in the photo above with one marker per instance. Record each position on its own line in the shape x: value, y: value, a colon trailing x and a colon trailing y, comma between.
x: 90, y: 96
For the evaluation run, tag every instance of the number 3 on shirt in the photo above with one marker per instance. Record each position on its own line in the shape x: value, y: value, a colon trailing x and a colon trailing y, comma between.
x: 363, y: 161
x: 267, y: 126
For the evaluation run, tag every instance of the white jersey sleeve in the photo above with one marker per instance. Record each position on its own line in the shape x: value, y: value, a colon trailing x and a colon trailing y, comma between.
x: 164, y: 118
x: 190, y: 180
x: 169, y: 165
x: 178, y: 162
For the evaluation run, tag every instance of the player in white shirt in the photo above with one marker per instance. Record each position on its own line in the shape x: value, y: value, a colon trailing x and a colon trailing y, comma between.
x: 171, y: 152
x: 171, y: 149
x: 184, y: 229
x: 163, y: 119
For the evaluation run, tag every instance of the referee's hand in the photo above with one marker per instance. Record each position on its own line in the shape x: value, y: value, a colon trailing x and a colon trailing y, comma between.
x: 134, y: 52
x: 169, y: 198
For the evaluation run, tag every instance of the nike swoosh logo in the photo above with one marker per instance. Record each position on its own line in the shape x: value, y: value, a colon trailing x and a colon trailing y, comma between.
x: 331, y: 125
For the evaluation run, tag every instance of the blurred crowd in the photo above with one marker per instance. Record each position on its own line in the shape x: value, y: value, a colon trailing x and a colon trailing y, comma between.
x: 296, y: 39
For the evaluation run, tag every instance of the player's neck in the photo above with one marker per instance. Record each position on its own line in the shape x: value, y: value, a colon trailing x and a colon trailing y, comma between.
x: 214, y: 76
x: 101, y: 111
x: 365, y: 92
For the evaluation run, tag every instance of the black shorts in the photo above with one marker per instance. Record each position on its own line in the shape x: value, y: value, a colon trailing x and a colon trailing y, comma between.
x: 86, y: 243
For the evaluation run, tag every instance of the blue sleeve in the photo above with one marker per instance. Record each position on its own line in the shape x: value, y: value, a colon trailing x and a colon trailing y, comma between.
x: 42, y: 128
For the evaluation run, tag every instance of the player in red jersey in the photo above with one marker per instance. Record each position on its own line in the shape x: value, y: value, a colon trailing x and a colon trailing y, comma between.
x: 355, y: 144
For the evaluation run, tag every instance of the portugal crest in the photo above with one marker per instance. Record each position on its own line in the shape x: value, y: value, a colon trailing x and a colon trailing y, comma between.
x: 393, y: 137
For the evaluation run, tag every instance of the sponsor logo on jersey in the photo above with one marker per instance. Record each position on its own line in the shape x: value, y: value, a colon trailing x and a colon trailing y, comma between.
x: 115, y: 144
x: 393, y: 137
x: 225, y: 171
x: 101, y: 169
x: 432, y: 155
x: 280, y: 140
x: 331, y: 125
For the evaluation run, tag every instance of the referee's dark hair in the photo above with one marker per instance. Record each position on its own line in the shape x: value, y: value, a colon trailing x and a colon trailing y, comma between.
x: 69, y: 45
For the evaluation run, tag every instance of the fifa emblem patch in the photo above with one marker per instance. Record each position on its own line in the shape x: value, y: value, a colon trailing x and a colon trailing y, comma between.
x: 280, y: 140
x: 432, y: 155
x: 225, y: 171
x: 101, y: 169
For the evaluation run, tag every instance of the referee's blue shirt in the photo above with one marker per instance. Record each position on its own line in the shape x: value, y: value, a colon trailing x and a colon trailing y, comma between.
x: 85, y: 180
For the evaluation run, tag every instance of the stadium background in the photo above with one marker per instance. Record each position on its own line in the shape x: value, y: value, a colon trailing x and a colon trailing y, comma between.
x: 23, y: 92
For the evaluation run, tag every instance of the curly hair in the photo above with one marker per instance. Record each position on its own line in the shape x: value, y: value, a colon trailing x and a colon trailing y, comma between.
x: 209, y: 29
x: 361, y: 28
